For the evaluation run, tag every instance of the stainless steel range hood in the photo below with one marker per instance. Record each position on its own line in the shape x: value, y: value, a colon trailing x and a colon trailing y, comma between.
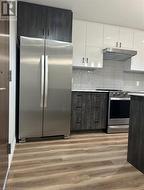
x: 118, y: 54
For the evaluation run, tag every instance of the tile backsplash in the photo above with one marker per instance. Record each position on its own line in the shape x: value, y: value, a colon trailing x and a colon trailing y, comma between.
x: 112, y: 75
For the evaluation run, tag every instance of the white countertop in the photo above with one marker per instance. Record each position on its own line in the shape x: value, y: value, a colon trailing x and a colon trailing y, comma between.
x: 139, y: 93
x: 136, y: 94
x: 90, y: 91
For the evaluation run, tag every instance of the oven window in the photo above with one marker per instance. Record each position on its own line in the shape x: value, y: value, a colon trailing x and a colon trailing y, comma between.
x: 119, y: 109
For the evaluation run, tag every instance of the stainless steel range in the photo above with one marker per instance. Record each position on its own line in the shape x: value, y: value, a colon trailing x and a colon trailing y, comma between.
x: 118, y: 111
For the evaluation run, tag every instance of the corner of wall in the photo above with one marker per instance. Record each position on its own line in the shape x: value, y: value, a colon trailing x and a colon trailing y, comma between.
x: 12, y: 84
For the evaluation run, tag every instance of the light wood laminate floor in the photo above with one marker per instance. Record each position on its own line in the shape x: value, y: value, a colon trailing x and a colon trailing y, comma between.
x: 83, y: 162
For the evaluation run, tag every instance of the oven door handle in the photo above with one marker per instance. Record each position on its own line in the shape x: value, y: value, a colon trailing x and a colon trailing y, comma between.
x: 120, y: 99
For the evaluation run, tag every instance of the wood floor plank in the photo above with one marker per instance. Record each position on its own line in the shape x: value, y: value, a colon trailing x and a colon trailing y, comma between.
x: 83, y: 162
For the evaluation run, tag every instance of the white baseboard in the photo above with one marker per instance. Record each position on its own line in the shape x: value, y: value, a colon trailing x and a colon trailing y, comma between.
x: 5, y: 182
x: 10, y: 161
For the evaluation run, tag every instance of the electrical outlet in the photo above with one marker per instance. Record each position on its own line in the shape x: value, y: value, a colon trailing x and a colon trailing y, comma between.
x: 137, y: 83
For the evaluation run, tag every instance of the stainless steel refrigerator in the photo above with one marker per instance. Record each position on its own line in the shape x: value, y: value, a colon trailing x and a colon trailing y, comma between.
x: 45, y: 88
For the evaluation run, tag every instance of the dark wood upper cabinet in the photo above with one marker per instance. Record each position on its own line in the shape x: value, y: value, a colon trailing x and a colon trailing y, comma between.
x: 31, y: 20
x: 38, y: 21
x: 59, y: 24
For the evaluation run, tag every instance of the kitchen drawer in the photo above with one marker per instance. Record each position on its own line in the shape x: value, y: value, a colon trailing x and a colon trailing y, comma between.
x: 77, y: 115
x: 96, y: 97
x: 89, y: 111
x: 76, y: 119
x: 77, y: 100
x: 77, y: 127
x: 96, y: 115
x: 96, y: 124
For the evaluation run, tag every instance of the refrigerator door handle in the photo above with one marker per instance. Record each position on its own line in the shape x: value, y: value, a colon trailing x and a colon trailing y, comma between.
x: 42, y: 81
x: 46, y: 81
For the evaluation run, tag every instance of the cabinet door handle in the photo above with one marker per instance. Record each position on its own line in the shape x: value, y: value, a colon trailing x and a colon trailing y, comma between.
x: 48, y: 32
x: 87, y: 60
x: 43, y: 32
x: 116, y: 44
x: 120, y: 44
x: 83, y: 60
x: 78, y: 107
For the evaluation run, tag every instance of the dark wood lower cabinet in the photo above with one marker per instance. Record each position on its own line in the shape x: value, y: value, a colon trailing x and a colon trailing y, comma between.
x: 89, y: 111
x: 4, y: 98
x: 136, y: 133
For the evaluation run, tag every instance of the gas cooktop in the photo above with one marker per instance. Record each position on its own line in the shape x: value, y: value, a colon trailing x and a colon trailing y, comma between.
x: 116, y: 93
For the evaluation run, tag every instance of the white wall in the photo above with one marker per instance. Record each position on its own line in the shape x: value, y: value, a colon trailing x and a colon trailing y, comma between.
x: 12, y: 87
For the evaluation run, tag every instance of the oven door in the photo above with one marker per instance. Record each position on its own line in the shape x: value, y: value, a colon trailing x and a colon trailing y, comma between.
x: 119, y: 111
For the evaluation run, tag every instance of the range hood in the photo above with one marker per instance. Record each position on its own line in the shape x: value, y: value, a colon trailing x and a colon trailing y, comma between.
x: 118, y: 54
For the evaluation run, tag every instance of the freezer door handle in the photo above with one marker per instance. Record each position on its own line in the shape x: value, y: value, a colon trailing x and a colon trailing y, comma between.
x: 46, y: 81
x: 42, y: 81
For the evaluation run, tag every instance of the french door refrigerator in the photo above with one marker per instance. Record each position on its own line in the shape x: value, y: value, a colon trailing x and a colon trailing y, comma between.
x: 45, y: 88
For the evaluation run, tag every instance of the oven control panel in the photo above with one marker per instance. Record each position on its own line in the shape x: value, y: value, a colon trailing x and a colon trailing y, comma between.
x: 120, y: 94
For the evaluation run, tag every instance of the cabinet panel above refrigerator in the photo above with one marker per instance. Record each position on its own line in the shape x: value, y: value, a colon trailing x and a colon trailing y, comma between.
x: 38, y: 21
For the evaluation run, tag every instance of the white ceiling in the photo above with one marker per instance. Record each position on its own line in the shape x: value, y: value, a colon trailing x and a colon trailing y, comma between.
x: 128, y: 13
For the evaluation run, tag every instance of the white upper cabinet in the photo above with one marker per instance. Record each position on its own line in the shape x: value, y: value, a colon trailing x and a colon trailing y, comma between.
x: 94, y: 56
x: 138, y: 40
x: 137, y: 62
x: 126, y: 38
x: 79, y: 42
x: 94, y: 45
x: 87, y: 44
x: 118, y: 37
x: 111, y: 36
x: 94, y: 34
x: 89, y: 40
